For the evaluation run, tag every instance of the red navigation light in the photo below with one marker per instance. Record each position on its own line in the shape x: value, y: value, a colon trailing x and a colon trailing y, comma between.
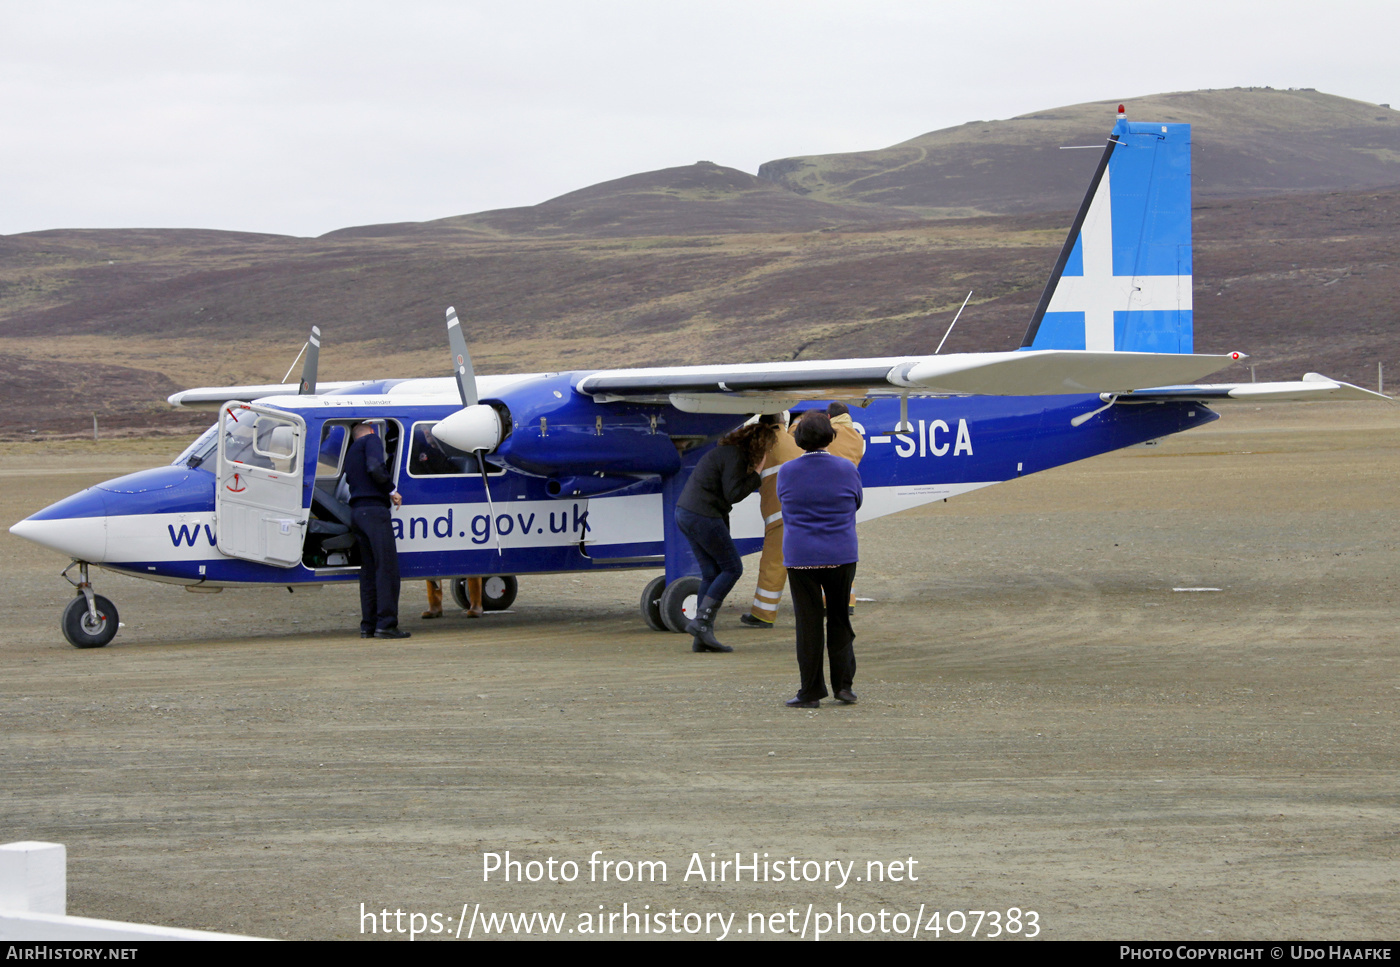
x: 1122, y: 112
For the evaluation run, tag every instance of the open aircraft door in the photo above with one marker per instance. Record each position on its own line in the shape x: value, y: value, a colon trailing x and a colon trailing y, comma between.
x: 259, y: 504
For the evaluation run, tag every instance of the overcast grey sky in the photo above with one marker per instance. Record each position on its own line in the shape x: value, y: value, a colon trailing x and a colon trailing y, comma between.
x: 302, y: 117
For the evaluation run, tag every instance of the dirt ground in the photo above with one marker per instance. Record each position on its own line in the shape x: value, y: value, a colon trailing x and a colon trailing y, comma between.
x: 1044, y: 723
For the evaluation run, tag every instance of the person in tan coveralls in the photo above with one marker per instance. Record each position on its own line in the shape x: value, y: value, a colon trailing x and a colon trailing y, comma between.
x: 772, y: 575
x: 473, y: 596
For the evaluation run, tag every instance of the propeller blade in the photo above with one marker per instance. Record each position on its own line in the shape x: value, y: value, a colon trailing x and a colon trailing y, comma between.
x: 313, y: 356
x: 490, y: 507
x: 474, y: 424
x: 461, y: 360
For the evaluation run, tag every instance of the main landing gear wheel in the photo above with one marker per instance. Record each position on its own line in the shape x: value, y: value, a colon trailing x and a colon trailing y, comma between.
x: 83, y: 630
x: 678, y: 603
x: 497, y: 592
x: 651, y: 604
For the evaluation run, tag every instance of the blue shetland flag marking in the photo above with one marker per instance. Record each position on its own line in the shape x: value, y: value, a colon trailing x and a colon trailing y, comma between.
x: 1123, y: 279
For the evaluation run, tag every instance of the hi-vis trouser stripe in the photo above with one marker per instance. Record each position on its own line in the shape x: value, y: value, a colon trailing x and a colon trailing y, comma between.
x: 767, y: 601
x: 772, y: 576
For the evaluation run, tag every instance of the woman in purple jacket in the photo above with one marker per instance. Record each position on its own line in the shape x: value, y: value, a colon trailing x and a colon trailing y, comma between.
x: 820, y: 494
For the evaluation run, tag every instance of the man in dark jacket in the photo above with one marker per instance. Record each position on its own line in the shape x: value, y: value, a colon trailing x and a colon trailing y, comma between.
x: 371, y: 495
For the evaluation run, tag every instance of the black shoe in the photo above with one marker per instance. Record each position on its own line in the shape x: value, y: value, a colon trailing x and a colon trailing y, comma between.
x: 699, y: 646
x: 366, y: 634
x: 845, y: 696
x: 795, y: 702
x: 749, y: 621
x: 392, y: 633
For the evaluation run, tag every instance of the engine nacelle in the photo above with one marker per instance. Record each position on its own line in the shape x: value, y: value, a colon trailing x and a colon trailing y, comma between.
x: 471, y: 428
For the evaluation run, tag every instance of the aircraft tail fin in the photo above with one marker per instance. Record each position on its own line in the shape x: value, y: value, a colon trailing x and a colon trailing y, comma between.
x: 1123, y: 278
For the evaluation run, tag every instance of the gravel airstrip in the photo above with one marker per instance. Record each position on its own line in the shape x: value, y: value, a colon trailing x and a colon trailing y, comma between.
x: 1045, y: 723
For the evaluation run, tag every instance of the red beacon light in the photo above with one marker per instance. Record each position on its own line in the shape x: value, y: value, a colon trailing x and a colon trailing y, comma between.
x: 1122, y: 113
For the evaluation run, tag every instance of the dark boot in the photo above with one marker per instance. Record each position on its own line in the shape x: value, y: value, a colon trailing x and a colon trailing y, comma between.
x: 703, y: 628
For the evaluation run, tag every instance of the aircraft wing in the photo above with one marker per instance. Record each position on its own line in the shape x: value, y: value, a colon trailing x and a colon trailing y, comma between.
x: 212, y: 397
x: 1023, y: 373
x: 1313, y: 386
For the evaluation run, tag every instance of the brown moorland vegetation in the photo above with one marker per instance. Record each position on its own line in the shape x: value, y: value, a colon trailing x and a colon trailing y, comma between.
x: 699, y: 263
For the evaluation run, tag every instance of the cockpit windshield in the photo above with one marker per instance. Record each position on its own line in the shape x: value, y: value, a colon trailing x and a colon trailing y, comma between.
x: 200, y: 450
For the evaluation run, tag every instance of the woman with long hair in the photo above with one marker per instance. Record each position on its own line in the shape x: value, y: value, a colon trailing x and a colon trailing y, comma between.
x: 722, y: 478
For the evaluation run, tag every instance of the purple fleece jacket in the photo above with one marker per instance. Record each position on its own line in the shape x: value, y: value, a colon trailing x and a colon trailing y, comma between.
x: 820, y: 494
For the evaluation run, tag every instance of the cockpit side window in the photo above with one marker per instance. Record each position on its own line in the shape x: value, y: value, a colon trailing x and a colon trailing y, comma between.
x: 200, y: 450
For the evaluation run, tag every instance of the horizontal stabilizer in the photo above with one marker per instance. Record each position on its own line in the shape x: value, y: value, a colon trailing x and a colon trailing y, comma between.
x: 1313, y: 386
x: 1050, y: 372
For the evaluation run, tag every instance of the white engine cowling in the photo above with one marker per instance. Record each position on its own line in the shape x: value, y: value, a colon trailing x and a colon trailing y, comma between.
x: 471, y: 428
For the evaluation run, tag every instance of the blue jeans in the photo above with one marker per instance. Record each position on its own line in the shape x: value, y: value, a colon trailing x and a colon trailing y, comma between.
x: 720, y: 567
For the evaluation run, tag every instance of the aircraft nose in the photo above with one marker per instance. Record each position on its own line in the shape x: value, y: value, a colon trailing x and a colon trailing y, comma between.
x: 83, y: 538
x: 76, y: 527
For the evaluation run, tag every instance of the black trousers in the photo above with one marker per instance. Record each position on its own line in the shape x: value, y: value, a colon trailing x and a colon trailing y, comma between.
x: 834, y: 633
x: 379, y: 567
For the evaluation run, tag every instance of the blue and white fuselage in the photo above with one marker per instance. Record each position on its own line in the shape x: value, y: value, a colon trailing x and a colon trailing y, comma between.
x: 163, y: 523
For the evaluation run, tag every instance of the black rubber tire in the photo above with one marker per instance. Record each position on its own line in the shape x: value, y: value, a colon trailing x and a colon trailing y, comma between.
x: 78, y: 627
x: 498, y: 592
x: 651, y: 604
x: 674, y: 600
x: 459, y: 592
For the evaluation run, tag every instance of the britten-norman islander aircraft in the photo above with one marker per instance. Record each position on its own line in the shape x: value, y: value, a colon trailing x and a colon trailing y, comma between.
x: 580, y: 471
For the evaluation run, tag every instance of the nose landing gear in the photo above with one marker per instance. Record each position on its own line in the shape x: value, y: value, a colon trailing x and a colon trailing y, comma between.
x: 89, y: 620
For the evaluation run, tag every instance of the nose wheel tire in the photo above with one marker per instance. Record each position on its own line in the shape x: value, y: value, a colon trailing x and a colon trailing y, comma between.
x: 678, y: 603
x: 83, y: 630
